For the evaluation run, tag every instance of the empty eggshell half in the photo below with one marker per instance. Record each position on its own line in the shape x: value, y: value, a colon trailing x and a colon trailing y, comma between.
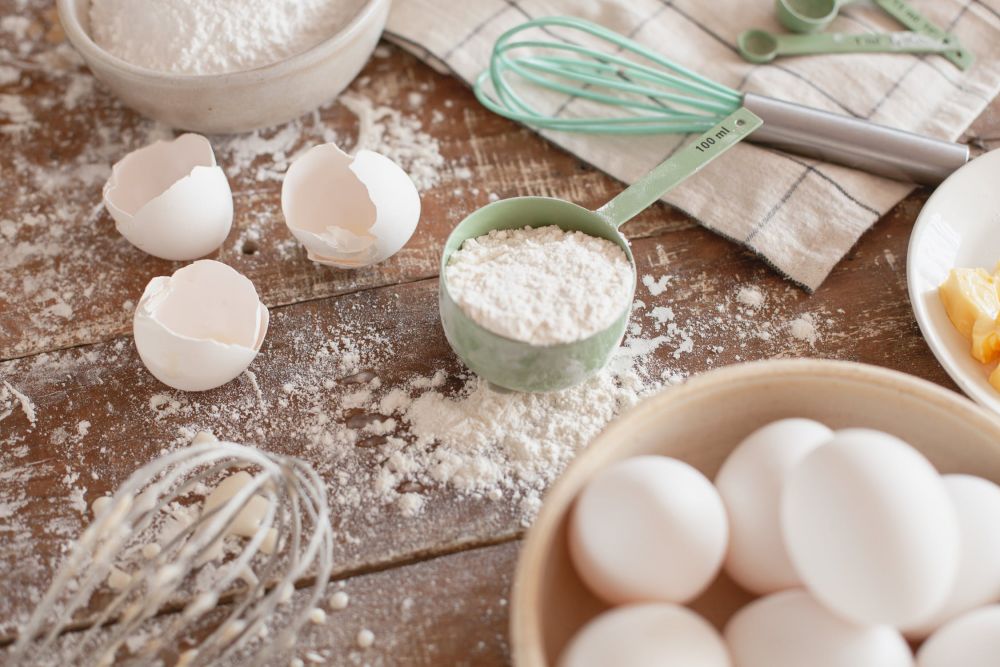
x: 170, y: 199
x: 349, y: 212
x: 201, y: 327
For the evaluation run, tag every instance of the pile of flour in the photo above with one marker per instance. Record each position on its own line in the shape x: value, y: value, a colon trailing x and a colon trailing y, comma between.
x: 214, y: 36
x: 541, y: 285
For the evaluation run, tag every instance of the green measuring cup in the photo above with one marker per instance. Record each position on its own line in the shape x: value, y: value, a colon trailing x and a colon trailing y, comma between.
x: 808, y: 15
x: 815, y: 15
x: 521, y: 366
x: 760, y: 46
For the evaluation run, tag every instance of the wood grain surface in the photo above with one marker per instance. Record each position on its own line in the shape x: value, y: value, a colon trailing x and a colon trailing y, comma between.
x: 432, y: 587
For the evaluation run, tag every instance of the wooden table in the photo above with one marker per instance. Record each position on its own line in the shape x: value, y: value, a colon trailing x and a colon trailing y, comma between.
x: 433, y: 588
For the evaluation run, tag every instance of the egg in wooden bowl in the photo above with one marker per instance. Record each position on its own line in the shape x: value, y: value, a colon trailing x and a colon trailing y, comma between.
x: 700, y: 423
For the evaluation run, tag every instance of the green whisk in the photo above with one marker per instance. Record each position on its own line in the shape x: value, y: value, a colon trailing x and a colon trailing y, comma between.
x: 652, y: 95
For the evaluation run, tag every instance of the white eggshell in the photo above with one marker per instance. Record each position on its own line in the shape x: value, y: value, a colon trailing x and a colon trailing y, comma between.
x: 201, y: 327
x: 650, y: 528
x: 170, y: 199
x: 977, y: 504
x: 349, y: 212
x: 791, y: 629
x: 646, y: 635
x: 750, y: 483
x: 871, y: 529
x: 971, y: 640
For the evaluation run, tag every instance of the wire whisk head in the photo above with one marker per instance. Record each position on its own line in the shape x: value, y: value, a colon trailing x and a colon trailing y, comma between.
x: 167, y: 544
x: 621, y: 87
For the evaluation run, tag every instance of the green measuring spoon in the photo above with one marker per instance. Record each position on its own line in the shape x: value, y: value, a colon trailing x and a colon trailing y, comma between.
x: 815, y: 15
x: 913, y: 20
x: 760, y: 46
x: 521, y: 366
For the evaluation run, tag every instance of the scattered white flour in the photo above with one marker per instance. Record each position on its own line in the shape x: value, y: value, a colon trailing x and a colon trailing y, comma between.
x: 656, y: 286
x: 400, y: 138
x: 540, y: 285
x: 366, y: 638
x: 26, y: 404
x: 804, y: 328
x: 662, y: 314
x: 890, y: 258
x: 492, y: 444
x: 750, y: 297
x: 8, y: 75
x: 15, y: 116
x: 214, y: 36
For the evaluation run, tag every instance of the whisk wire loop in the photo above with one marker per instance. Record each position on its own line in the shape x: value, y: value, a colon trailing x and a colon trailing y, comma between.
x: 653, y: 96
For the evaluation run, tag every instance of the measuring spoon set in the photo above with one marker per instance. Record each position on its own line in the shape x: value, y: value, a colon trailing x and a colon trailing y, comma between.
x: 808, y: 17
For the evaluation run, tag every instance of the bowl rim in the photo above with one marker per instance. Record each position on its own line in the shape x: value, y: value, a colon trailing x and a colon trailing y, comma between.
x: 89, y: 49
x: 526, y: 642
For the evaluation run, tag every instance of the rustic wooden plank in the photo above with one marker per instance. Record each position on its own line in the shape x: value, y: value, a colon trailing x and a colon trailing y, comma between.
x: 100, y: 415
x: 441, y: 611
x: 56, y: 466
x: 68, y: 278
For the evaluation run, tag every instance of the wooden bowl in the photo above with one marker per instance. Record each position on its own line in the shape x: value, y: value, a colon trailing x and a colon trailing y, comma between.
x: 701, y: 422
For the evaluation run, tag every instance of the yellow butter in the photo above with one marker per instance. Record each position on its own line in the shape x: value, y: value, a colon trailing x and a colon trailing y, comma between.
x: 969, y: 296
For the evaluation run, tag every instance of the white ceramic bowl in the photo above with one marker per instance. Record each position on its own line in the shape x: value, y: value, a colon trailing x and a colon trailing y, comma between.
x: 959, y: 226
x: 701, y: 422
x: 237, y: 101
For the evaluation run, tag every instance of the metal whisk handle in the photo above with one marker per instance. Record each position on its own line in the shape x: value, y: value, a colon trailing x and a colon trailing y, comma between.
x: 856, y: 143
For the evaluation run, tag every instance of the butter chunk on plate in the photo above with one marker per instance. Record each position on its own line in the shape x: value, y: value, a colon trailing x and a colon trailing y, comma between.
x: 959, y: 228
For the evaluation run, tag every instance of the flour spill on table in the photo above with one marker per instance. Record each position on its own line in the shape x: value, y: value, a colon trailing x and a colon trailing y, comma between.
x: 8, y: 396
x: 400, y: 453
x: 60, y: 247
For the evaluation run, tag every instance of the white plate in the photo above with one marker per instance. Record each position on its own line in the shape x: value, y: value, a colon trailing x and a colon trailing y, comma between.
x: 958, y: 227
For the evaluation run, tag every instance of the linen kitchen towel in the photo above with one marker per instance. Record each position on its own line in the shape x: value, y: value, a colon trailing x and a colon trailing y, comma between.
x: 801, y: 215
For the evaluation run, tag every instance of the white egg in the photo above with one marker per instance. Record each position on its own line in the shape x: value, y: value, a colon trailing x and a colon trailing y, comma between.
x: 646, y: 635
x: 977, y: 504
x: 199, y: 328
x: 349, y: 212
x: 650, y: 528
x: 871, y: 529
x: 971, y: 640
x: 791, y: 629
x: 750, y: 483
x: 170, y: 199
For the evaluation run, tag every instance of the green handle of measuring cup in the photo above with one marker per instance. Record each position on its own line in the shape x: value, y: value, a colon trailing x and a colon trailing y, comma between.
x: 678, y: 167
x: 913, y: 20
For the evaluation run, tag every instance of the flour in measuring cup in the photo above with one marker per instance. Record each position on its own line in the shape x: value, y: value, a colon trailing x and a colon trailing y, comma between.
x: 541, y: 285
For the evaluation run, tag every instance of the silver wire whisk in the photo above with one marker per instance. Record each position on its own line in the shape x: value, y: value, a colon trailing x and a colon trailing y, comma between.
x: 291, y: 539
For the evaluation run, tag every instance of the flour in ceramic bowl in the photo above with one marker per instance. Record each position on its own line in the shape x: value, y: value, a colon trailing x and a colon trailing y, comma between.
x: 214, y: 36
x: 541, y: 285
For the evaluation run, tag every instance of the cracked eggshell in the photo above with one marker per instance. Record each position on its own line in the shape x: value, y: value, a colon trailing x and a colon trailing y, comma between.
x: 349, y: 212
x: 170, y: 199
x: 201, y: 327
